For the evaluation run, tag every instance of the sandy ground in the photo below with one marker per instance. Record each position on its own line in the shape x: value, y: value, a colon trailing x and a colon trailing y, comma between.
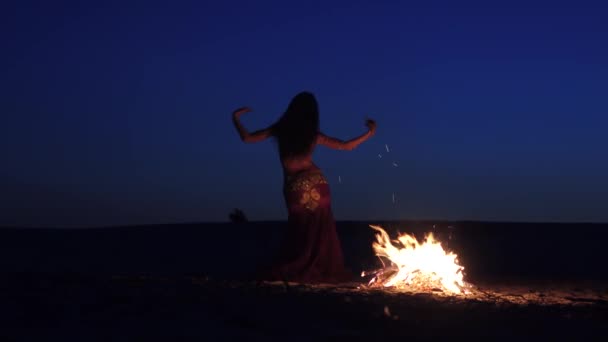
x: 88, y: 285
x: 77, y: 307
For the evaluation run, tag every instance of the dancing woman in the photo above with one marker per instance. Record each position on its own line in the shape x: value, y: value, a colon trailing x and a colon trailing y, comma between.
x: 311, y: 252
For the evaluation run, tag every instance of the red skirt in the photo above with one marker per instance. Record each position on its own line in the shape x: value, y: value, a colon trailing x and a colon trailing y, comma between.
x: 311, y: 252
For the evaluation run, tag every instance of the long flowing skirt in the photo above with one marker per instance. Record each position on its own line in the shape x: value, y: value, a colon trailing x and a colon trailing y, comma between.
x: 311, y: 252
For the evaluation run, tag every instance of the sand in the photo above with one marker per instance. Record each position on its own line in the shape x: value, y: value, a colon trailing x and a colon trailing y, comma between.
x: 175, y: 282
x: 78, y: 307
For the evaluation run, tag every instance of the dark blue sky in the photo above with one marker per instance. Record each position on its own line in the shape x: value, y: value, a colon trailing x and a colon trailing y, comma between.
x: 120, y: 113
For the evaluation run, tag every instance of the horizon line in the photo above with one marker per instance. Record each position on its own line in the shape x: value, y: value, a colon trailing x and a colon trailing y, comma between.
x: 423, y: 220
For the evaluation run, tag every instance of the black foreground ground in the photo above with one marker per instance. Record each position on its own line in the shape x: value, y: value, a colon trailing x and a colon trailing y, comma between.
x: 77, y: 307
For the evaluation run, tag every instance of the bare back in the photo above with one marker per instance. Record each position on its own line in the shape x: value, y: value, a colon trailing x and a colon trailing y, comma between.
x: 296, y: 164
x: 303, y: 162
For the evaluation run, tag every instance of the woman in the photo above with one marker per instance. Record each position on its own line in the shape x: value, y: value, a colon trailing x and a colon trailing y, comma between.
x: 312, y: 251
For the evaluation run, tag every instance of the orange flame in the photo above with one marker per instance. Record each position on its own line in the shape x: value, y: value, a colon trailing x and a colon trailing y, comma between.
x: 425, y: 264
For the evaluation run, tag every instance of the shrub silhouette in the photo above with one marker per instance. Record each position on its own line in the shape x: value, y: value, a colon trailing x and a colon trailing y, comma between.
x: 237, y: 216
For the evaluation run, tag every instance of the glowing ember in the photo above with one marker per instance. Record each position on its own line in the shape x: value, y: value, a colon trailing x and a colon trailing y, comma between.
x: 422, y: 266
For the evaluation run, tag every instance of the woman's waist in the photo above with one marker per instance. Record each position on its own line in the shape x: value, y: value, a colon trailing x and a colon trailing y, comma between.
x: 295, y: 166
x: 295, y: 172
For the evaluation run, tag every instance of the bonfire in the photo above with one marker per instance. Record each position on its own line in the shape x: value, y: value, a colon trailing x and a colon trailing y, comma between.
x: 415, y: 266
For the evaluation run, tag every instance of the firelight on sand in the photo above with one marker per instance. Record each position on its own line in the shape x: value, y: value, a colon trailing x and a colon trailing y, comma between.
x: 415, y: 265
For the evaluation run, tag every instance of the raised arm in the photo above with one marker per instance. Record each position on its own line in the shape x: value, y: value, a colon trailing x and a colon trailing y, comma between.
x: 247, y: 137
x: 338, y: 144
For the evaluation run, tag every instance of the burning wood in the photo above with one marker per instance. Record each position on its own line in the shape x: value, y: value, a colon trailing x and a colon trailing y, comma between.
x: 422, y: 266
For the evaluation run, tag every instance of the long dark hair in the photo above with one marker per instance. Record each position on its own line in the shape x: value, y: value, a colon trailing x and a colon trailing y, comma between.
x: 297, y: 128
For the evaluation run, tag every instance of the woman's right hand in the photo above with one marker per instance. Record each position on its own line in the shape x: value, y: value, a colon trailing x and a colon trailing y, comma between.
x: 240, y: 111
x: 371, y: 124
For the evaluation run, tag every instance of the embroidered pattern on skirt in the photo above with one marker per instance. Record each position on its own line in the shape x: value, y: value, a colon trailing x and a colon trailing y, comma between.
x: 306, y: 184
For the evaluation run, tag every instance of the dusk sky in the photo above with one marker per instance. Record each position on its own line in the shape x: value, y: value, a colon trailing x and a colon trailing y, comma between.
x: 120, y: 113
